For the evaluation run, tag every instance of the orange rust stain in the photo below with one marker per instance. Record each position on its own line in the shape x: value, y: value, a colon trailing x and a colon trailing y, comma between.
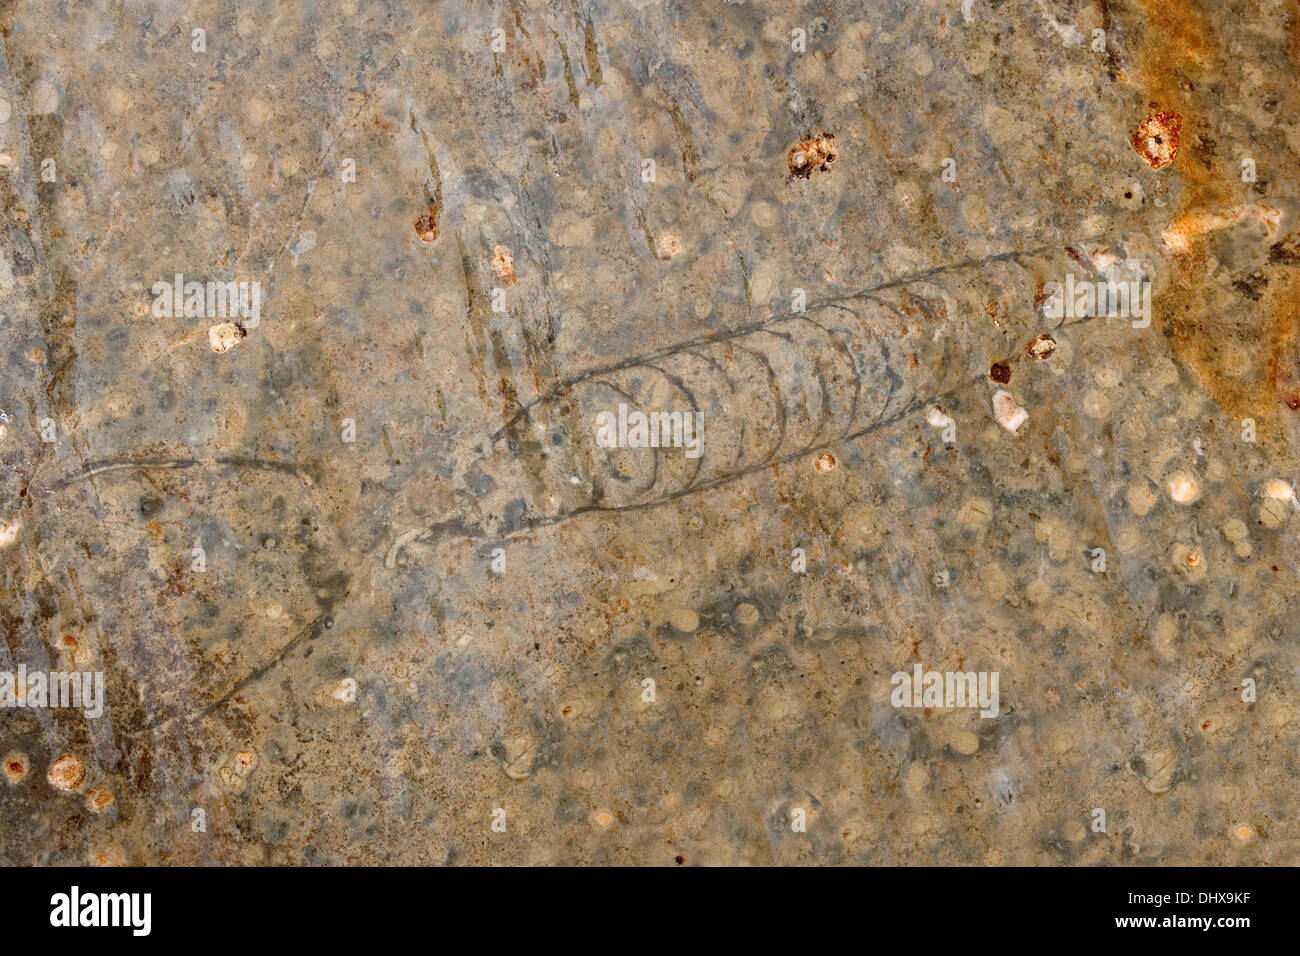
x: 1295, y: 33
x: 426, y: 227
x: 1158, y: 138
x: 1284, y: 341
x: 814, y: 153
x: 1173, y: 65
x: 1188, y: 34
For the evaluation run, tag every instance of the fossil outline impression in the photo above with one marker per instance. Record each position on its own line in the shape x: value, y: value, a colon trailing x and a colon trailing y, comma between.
x: 773, y: 391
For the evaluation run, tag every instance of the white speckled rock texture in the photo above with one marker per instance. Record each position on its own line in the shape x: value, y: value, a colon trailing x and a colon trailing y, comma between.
x: 364, y: 590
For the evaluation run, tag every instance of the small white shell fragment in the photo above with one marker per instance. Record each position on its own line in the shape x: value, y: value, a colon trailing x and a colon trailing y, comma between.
x: 1184, y: 488
x: 1243, y: 832
x: 1279, y: 490
x: 937, y: 417
x: 1041, y: 347
x: 1009, y: 415
x: 9, y: 532
x: 503, y: 265
x: 224, y: 336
